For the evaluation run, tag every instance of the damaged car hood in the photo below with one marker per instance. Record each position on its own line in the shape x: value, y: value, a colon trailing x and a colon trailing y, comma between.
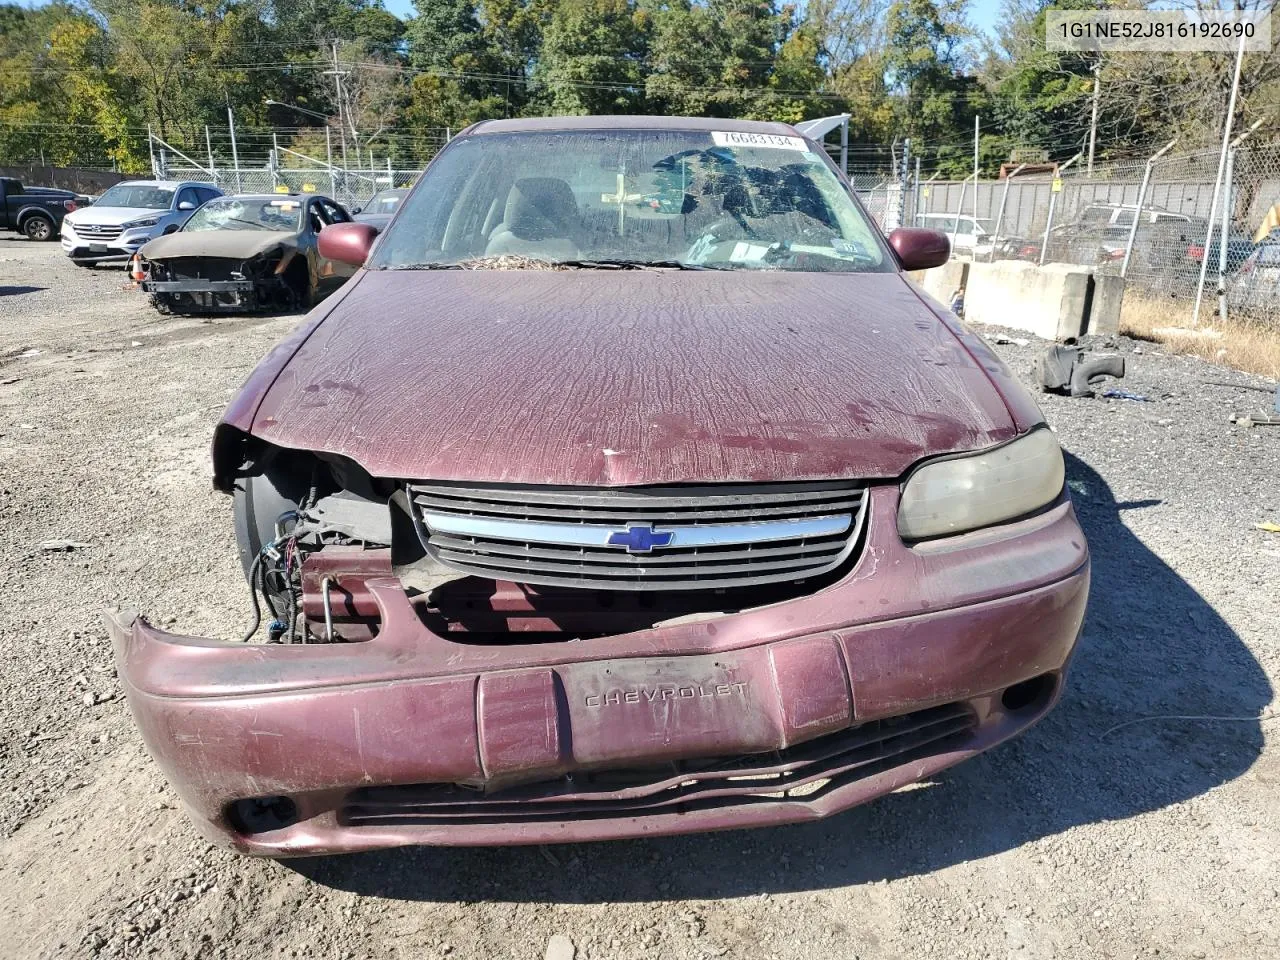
x: 230, y: 244
x: 636, y: 377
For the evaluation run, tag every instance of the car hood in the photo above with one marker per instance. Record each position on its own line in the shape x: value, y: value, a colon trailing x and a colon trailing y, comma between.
x: 636, y: 377
x: 113, y: 215
x: 378, y: 220
x: 231, y: 244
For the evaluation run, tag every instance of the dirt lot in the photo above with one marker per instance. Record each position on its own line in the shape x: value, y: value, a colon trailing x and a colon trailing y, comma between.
x: 1082, y: 839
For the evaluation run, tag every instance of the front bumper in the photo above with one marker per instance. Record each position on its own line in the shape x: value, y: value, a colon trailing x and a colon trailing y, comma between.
x: 243, y: 287
x: 782, y: 714
x: 117, y: 250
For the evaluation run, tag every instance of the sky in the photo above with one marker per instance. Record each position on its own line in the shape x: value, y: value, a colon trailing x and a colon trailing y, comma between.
x: 983, y: 13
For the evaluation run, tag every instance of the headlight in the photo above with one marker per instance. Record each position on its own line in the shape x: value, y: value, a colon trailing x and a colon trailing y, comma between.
x: 977, y: 490
x: 135, y: 224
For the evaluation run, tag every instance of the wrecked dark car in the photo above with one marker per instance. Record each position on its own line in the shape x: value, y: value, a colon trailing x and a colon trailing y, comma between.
x: 380, y: 208
x: 245, y: 253
x: 575, y: 517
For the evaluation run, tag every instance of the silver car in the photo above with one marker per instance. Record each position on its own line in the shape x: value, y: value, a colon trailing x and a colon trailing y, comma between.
x: 128, y: 215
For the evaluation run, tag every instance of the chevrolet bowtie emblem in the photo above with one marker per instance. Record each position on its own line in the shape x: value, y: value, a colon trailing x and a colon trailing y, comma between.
x: 640, y: 539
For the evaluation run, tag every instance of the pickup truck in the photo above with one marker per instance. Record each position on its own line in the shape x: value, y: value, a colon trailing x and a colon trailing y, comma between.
x: 35, y: 211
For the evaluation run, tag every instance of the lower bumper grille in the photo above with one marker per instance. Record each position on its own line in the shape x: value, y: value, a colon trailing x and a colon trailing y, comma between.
x: 642, y: 538
x: 797, y: 774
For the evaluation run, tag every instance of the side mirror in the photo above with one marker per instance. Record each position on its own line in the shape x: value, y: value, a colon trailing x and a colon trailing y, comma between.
x: 347, y: 242
x: 186, y: 205
x: 354, y: 210
x: 919, y: 249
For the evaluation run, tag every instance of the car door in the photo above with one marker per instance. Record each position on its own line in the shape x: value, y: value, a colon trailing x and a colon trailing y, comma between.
x: 185, y: 203
x: 332, y: 271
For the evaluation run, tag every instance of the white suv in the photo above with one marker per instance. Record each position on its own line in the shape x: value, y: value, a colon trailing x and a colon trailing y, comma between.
x: 128, y: 215
x: 969, y: 237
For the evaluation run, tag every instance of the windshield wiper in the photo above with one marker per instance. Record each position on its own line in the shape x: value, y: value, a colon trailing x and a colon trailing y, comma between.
x: 618, y: 264
x: 427, y: 265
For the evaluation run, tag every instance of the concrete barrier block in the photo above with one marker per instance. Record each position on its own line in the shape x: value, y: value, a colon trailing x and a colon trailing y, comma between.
x: 941, y: 282
x: 1050, y: 301
x: 1104, y: 309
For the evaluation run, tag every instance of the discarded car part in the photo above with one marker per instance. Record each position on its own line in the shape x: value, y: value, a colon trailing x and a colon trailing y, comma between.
x: 1255, y: 420
x: 698, y: 516
x: 1063, y: 369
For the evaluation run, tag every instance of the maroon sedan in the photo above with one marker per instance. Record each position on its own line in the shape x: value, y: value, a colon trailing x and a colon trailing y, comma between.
x: 629, y: 488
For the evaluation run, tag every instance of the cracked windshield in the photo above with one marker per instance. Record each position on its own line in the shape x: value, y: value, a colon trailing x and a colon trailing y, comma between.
x: 712, y: 200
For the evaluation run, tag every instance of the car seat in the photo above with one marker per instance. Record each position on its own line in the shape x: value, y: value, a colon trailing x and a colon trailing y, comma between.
x: 540, y: 220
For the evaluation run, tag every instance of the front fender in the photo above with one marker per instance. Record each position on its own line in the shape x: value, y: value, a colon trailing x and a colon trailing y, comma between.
x: 237, y: 419
x: 29, y: 209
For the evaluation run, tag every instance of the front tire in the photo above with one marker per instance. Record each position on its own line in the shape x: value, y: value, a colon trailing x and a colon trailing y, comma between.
x: 38, y: 227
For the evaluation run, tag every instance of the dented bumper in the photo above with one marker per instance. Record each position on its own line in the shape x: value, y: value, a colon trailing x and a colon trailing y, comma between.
x: 917, y: 660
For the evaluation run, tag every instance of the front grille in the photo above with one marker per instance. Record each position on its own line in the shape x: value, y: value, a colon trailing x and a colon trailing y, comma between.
x: 204, y: 268
x: 642, y: 538
x: 97, y: 231
x: 798, y: 774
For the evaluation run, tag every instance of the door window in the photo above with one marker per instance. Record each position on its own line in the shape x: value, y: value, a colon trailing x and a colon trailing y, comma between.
x: 333, y: 212
x: 316, y: 216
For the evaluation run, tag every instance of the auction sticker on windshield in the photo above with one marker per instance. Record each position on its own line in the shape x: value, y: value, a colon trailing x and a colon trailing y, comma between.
x: 726, y: 139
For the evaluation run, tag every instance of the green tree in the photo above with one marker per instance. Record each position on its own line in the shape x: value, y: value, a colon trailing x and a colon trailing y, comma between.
x: 728, y: 58
x: 925, y: 65
x: 592, y: 57
x: 1040, y: 98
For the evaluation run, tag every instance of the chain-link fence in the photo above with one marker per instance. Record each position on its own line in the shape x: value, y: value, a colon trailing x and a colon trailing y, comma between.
x: 351, y: 188
x: 259, y: 163
x: 1147, y: 220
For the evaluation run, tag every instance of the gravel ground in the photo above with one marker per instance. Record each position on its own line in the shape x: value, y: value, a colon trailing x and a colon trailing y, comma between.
x: 1081, y: 839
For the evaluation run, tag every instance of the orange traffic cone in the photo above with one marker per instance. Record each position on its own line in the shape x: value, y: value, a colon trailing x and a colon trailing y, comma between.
x: 135, y: 268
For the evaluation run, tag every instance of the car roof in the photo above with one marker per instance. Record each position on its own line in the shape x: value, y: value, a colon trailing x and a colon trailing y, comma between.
x: 272, y: 196
x: 548, y: 124
x: 166, y: 184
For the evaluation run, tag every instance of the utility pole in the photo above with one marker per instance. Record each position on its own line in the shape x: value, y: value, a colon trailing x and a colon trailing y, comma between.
x: 975, y: 183
x: 235, y: 156
x: 336, y: 73
x: 1227, y: 182
x: 1093, y: 120
x: 904, y: 178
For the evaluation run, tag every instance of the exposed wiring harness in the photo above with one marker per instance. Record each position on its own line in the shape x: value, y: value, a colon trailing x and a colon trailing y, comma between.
x: 258, y: 580
x: 277, y: 569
